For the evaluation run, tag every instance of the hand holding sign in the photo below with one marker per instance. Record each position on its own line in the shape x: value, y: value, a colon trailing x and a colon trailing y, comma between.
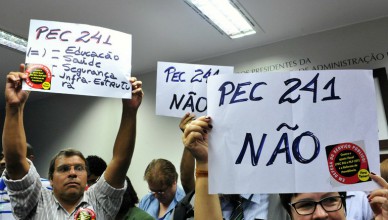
x: 137, y: 94
x: 78, y: 59
x: 14, y: 95
x: 195, y: 138
x: 378, y: 199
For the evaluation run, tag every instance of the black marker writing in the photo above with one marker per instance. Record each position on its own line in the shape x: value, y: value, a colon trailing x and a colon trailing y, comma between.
x: 228, y: 88
x: 283, y: 141
x: 198, y: 105
x: 311, y: 86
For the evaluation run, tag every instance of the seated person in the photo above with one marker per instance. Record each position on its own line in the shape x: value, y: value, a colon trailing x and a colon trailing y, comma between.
x: 162, y: 178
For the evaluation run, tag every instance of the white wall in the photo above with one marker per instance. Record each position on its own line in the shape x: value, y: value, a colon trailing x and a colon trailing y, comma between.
x: 365, y: 43
x: 90, y: 124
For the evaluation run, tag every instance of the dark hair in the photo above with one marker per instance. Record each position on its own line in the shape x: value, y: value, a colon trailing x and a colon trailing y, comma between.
x: 285, y: 199
x: 161, y: 172
x: 66, y: 153
x: 96, y: 165
x: 130, y: 199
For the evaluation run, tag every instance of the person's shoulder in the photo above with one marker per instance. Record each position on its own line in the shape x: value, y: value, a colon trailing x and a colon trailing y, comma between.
x: 146, y: 200
x: 147, y: 196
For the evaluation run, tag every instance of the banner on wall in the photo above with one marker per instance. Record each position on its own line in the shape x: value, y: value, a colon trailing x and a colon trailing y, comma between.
x: 307, y: 131
x: 78, y: 59
x: 181, y: 87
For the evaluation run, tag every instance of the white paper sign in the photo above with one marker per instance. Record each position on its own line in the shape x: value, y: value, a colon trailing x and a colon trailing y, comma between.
x: 310, y: 131
x: 181, y: 87
x: 78, y: 59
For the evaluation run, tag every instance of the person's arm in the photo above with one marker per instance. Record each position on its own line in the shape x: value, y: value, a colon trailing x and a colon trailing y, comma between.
x: 378, y: 198
x: 125, y: 141
x: 195, y: 139
x: 187, y: 165
x: 14, y: 137
x: 187, y: 171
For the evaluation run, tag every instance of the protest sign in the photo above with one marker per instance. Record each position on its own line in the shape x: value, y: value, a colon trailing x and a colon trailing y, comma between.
x: 181, y: 87
x: 78, y: 59
x: 309, y: 131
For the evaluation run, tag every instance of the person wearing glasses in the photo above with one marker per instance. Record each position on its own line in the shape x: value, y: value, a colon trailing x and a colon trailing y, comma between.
x: 67, y: 171
x: 329, y: 205
x: 162, y: 178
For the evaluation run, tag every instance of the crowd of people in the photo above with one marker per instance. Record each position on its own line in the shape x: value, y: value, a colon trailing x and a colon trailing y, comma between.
x: 80, y: 186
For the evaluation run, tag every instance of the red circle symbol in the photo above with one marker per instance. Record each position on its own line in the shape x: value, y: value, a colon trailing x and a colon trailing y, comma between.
x: 345, y: 160
x: 37, y: 75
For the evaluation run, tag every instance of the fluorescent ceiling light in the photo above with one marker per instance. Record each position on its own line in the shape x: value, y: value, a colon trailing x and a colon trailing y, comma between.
x: 227, y: 16
x: 12, y: 41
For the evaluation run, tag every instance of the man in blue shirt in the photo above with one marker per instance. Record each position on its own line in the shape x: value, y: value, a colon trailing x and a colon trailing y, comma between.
x: 161, y: 177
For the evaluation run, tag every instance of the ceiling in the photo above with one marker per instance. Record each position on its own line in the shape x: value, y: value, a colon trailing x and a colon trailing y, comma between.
x: 169, y: 30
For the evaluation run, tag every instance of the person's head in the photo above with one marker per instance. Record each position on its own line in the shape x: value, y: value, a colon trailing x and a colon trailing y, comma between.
x: 68, y: 175
x: 162, y: 177
x: 303, y: 206
x: 384, y: 169
x: 29, y: 155
x: 96, y: 167
x: 130, y: 199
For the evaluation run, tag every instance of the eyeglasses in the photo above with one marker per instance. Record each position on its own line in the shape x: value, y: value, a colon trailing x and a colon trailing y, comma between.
x: 159, y: 193
x: 329, y: 204
x: 78, y: 168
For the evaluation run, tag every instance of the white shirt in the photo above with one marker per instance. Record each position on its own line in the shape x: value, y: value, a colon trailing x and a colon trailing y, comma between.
x: 5, y: 204
x: 255, y: 207
x: 357, y: 206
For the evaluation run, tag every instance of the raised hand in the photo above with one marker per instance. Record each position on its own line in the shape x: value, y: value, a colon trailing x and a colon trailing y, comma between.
x: 195, y: 138
x: 187, y: 118
x: 137, y: 94
x: 14, y: 95
x: 378, y: 199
